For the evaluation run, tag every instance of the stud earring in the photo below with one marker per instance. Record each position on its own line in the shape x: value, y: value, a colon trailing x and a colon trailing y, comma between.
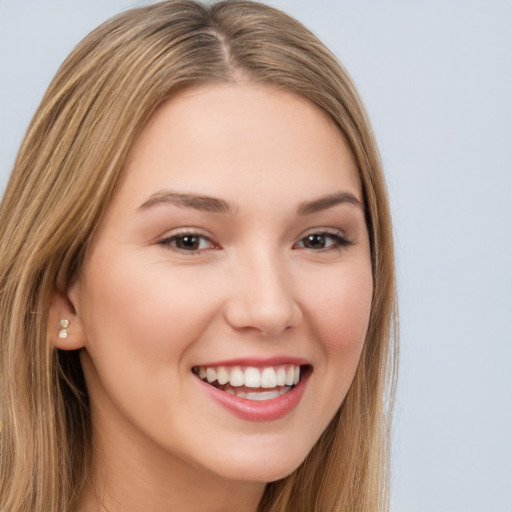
x: 64, y: 328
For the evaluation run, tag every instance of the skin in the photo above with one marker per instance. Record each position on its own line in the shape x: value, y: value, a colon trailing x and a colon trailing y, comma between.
x: 146, y: 311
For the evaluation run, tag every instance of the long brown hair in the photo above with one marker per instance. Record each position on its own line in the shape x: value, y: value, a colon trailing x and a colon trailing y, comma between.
x: 63, y: 179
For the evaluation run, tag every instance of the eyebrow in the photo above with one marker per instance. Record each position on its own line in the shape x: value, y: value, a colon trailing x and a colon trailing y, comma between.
x: 216, y: 205
x: 323, y: 203
x: 194, y: 201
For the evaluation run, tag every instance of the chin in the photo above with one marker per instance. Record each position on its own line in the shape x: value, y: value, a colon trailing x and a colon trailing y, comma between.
x: 263, y: 468
x: 270, y: 473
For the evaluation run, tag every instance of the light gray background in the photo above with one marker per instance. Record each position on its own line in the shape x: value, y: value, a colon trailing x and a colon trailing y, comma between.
x: 437, y: 80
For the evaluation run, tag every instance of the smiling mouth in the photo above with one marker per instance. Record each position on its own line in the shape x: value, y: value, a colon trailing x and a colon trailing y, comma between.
x: 250, y: 382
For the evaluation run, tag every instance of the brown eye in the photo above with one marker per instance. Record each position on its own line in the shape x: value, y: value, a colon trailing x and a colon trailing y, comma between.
x: 188, y: 242
x: 315, y: 241
x: 322, y: 241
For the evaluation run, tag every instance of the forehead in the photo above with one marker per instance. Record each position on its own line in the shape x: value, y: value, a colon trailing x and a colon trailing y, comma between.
x: 239, y: 141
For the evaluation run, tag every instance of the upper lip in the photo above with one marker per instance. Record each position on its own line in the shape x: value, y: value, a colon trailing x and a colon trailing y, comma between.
x: 258, y: 362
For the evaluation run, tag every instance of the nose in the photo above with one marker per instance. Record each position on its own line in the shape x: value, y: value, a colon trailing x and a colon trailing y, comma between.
x: 262, y: 298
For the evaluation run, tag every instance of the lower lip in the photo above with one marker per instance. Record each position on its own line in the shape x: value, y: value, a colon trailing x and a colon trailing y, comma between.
x: 253, y: 410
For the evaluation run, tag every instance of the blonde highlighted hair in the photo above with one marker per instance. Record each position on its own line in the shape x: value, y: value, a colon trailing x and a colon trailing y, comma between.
x: 63, y: 179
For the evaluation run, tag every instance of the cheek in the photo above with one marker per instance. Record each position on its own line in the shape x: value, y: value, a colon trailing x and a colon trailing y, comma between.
x: 142, y: 313
x: 337, y: 316
x: 340, y: 311
x: 141, y: 322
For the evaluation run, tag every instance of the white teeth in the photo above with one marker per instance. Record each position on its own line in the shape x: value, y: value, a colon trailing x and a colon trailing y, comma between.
x: 281, y: 376
x: 290, y: 376
x: 222, y: 375
x: 211, y: 375
x: 236, y: 377
x: 269, y: 377
x: 259, y: 396
x: 263, y: 395
x: 252, y: 377
x: 296, y: 375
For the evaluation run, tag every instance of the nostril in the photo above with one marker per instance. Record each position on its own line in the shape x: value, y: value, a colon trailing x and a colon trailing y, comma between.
x: 267, y: 319
x: 262, y: 299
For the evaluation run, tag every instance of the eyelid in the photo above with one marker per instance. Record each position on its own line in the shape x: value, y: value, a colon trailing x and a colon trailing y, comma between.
x: 344, y: 239
x: 183, y: 232
x: 324, y: 231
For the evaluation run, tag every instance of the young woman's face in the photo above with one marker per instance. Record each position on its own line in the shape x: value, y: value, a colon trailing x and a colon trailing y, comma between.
x: 235, y: 250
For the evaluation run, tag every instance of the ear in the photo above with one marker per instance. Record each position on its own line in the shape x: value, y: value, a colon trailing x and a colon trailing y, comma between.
x: 64, y: 325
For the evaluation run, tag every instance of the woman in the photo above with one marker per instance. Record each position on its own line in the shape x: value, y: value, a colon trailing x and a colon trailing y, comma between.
x: 197, y: 276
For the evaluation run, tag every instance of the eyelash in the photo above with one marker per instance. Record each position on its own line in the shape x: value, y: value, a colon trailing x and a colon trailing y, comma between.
x: 339, y: 241
x: 171, y: 242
